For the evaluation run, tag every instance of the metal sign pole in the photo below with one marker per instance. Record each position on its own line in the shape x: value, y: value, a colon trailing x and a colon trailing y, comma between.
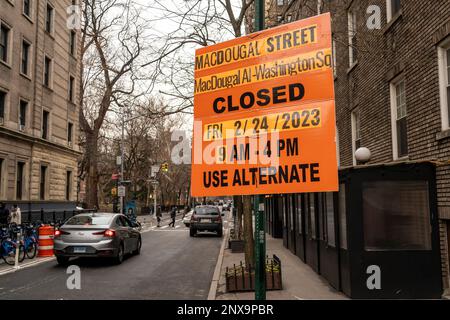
x: 260, y: 232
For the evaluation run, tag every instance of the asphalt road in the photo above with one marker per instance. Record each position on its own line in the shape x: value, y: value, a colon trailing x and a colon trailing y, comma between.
x: 171, y: 266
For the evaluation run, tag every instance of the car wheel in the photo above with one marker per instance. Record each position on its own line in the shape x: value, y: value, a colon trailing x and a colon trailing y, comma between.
x: 192, y: 232
x: 62, y: 261
x: 138, y: 249
x: 120, y: 254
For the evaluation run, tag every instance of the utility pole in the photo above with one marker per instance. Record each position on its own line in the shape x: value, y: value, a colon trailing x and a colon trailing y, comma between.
x: 260, y: 226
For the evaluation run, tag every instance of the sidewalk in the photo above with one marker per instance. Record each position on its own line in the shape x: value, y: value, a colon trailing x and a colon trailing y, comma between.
x: 300, y: 282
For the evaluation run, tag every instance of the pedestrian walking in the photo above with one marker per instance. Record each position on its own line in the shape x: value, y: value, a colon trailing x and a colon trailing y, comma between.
x: 173, y: 215
x: 4, y: 214
x: 15, y: 216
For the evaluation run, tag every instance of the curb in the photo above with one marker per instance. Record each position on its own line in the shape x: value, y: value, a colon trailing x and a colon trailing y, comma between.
x: 216, y: 277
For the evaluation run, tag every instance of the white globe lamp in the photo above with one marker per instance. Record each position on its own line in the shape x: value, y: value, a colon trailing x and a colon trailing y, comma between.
x: 363, y: 155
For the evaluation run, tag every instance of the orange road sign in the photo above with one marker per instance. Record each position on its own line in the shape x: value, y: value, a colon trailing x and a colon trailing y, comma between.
x: 265, y: 113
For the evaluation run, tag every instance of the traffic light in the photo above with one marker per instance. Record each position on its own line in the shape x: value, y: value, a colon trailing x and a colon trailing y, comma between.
x: 165, y: 167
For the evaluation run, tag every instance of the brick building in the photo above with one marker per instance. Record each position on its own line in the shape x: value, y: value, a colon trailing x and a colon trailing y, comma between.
x: 392, y: 84
x: 39, y: 106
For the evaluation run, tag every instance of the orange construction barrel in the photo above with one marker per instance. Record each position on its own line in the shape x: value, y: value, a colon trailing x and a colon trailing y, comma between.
x: 46, y: 236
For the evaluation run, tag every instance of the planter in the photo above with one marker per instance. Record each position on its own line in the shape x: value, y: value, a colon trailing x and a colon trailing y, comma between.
x: 236, y: 246
x: 241, y: 278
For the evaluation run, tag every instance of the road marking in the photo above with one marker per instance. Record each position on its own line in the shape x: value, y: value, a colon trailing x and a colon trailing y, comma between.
x: 26, y: 265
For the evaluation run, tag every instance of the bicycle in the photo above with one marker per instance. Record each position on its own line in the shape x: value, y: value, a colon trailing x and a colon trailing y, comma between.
x: 8, y: 245
x: 30, y: 241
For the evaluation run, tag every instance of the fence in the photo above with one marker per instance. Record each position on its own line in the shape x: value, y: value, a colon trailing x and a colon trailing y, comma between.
x: 51, y: 216
x: 241, y: 278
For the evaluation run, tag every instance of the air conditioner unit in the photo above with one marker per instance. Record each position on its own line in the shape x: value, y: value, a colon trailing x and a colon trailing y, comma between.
x: 21, y: 127
x: 2, y: 121
x: 70, y: 144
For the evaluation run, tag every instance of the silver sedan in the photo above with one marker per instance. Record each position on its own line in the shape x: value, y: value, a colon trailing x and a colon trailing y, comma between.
x: 97, y: 235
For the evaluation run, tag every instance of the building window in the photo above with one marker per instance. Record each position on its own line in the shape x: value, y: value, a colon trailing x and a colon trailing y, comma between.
x: 399, y: 119
x: 49, y: 18
x: 24, y: 68
x: 393, y: 7
x: 279, y: 18
x: 45, y: 122
x: 4, y: 42
x: 27, y: 8
x: 70, y: 133
x: 71, y: 88
x: 68, y: 184
x: 43, y: 182
x: 280, y: 2
x: 352, y: 38
x: 356, y: 132
x: 19, y: 180
x: 73, y: 41
x: 48, y: 71
x: 23, y: 114
x: 444, y: 83
x: 396, y: 215
x: 289, y: 17
x: 2, y: 104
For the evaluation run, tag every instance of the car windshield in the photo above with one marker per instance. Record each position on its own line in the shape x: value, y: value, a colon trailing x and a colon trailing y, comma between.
x: 88, y: 221
x: 207, y: 211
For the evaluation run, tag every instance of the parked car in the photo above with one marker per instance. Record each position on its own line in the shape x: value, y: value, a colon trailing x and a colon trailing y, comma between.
x: 97, y: 235
x: 187, y: 218
x: 206, y: 218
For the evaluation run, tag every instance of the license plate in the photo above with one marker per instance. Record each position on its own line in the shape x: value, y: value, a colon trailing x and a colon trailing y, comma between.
x: 79, y: 250
x: 206, y: 220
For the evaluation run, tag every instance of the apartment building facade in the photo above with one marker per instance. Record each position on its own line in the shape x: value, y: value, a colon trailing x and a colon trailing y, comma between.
x: 392, y: 83
x: 39, y: 102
